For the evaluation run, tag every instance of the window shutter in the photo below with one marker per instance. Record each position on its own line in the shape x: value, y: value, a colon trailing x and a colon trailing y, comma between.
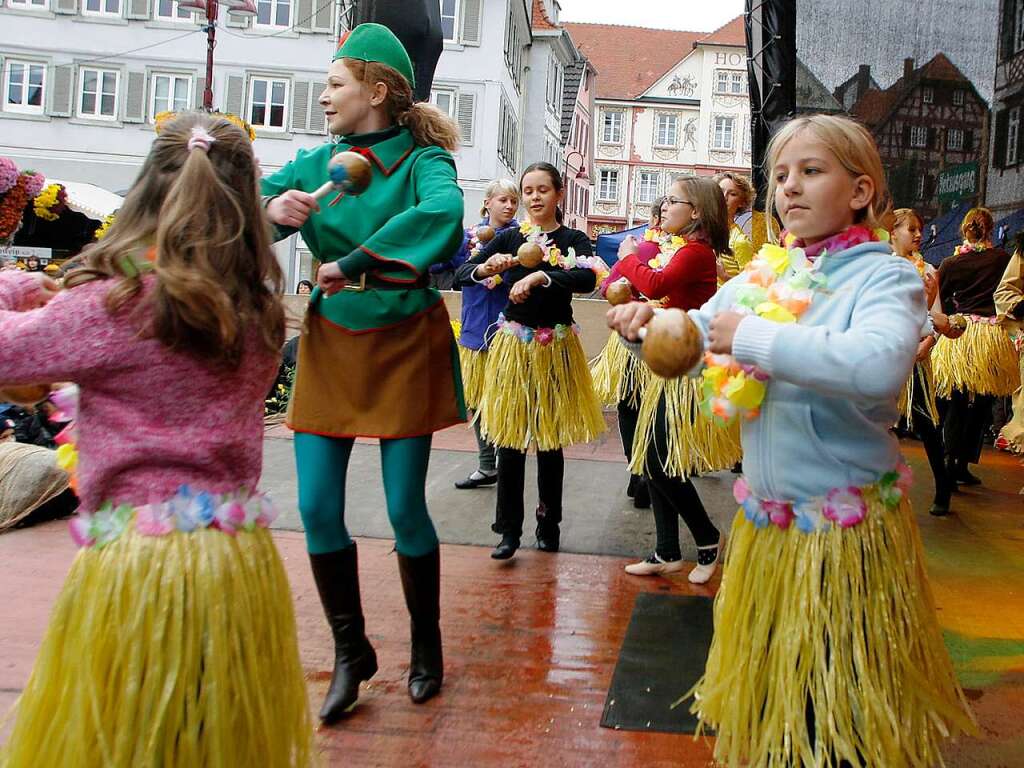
x: 234, y: 96
x: 303, y: 15
x: 471, y: 22
x: 931, y: 138
x: 300, y: 105
x: 968, y: 141
x: 138, y: 9
x: 906, y: 135
x: 198, y: 86
x: 1001, y: 137
x: 66, y: 6
x: 1020, y: 143
x: 1006, y: 29
x: 62, y: 92
x: 323, y: 17
x: 465, y: 112
x: 135, y: 98
x: 236, y: 20
x: 317, y: 120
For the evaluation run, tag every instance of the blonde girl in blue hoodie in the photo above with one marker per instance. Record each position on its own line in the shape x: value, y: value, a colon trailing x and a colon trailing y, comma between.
x: 826, y: 648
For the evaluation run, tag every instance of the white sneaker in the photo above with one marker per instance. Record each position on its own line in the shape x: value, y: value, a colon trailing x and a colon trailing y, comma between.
x: 653, y: 566
x: 704, y: 571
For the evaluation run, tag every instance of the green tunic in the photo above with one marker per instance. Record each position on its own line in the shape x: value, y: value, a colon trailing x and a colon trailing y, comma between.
x: 379, y: 362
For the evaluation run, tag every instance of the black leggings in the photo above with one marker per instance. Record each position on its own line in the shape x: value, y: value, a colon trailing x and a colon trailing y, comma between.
x: 931, y: 438
x: 966, y: 419
x: 508, y: 513
x: 628, y: 416
x: 674, y: 497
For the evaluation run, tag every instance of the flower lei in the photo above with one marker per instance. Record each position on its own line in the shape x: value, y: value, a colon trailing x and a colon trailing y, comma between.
x: 840, y: 507
x: 554, y: 256
x: 51, y: 202
x: 542, y: 336
x: 162, y: 118
x: 968, y: 247
x: 102, y: 229
x: 668, y: 244
x: 919, y: 263
x: 781, y: 285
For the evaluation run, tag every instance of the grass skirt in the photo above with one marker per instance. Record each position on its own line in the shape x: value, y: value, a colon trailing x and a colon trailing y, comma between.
x: 925, y: 402
x: 983, y: 361
x: 695, y: 444
x: 538, y: 394
x: 175, y: 650
x: 840, y: 622
x: 618, y: 374
x: 473, y: 363
x: 1013, y: 431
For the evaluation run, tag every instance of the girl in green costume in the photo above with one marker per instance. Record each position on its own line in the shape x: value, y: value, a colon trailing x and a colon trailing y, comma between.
x: 376, y: 357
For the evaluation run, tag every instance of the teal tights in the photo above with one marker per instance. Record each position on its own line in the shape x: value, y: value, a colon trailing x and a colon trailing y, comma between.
x: 322, y: 464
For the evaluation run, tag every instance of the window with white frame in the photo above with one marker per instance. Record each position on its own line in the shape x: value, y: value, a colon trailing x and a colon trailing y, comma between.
x: 608, y: 185
x: 97, y: 93
x: 24, y: 86
x: 1018, y: 28
x: 928, y: 95
x: 611, y: 132
x: 169, y: 93
x: 919, y: 136
x: 958, y: 98
x: 667, y: 131
x: 554, y: 86
x: 647, y: 186
x: 102, y: 7
x: 724, y: 138
x: 721, y: 81
x: 273, y: 13
x: 168, y: 10
x: 449, y: 17
x: 267, y: 99
x: 1012, y: 136
x: 922, y: 182
x: 955, y: 139
x: 444, y: 100
x: 507, y: 135
x: 731, y: 82
x: 31, y: 5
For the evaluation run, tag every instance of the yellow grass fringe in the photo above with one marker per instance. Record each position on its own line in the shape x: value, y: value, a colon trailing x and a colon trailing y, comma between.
x: 695, y: 444
x: 618, y: 374
x: 539, y: 395
x: 983, y: 361
x: 1013, y: 431
x: 927, y: 379
x: 473, y: 363
x: 176, y: 651
x: 842, y: 619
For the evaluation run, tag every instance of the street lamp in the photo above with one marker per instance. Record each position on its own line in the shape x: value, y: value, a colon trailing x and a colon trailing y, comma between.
x: 210, y: 8
x: 581, y: 174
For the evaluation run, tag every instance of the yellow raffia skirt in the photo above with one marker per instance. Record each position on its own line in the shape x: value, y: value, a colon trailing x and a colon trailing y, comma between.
x: 842, y: 623
x: 618, y: 374
x: 1013, y: 431
x: 925, y: 402
x: 983, y: 361
x: 175, y: 650
x: 538, y: 394
x: 695, y: 444
x: 474, y: 364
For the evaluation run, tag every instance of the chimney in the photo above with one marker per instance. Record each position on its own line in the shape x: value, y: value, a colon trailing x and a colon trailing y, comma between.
x: 863, y: 81
x: 908, y: 68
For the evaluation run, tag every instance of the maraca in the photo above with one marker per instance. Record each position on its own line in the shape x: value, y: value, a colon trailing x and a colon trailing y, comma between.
x: 349, y: 173
x: 25, y: 394
x: 484, y: 234
x: 672, y: 345
x: 619, y: 292
x: 530, y: 255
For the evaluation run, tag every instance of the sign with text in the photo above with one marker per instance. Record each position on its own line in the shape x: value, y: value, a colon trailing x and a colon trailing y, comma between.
x: 958, y: 182
x: 21, y: 252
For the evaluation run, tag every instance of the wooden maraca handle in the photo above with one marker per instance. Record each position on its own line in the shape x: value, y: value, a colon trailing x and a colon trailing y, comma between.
x: 672, y: 345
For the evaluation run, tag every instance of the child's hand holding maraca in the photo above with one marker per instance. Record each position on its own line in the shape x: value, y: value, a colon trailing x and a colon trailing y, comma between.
x: 496, y: 264
x: 628, y: 319
x: 330, y: 278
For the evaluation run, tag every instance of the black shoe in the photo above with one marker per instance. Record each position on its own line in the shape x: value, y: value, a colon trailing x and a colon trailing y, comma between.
x: 964, y: 477
x: 634, y: 480
x: 337, y: 580
x: 473, y: 482
x: 506, y: 548
x: 421, y: 583
x: 939, y: 508
x: 737, y: 468
x: 642, y: 497
x: 548, y: 537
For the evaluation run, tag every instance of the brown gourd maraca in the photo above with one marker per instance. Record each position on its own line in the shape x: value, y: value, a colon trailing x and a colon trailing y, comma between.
x: 348, y: 172
x: 25, y: 394
x: 484, y: 234
x: 530, y: 255
x: 672, y: 345
x: 619, y: 292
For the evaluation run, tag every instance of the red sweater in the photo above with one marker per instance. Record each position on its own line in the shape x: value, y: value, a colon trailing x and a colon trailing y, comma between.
x: 690, y: 279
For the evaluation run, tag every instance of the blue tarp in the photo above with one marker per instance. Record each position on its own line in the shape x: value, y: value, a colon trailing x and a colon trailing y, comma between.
x: 608, y: 245
x: 942, y: 235
x: 1008, y: 228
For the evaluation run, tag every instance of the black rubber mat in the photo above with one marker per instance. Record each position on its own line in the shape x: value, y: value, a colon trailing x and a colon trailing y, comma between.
x: 662, y: 656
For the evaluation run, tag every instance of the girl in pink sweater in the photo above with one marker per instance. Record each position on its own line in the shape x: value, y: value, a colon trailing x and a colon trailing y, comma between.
x: 173, y: 640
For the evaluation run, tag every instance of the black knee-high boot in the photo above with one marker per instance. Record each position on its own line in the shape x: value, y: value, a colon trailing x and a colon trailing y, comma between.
x: 337, y: 580
x: 421, y: 583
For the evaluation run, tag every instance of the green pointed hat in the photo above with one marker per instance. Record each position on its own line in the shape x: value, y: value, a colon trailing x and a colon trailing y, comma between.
x: 375, y: 42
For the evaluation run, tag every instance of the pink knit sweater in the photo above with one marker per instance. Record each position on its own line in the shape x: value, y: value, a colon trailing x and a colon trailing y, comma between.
x: 149, y: 420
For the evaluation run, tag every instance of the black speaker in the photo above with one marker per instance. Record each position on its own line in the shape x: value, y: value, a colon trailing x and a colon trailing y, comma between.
x: 417, y: 23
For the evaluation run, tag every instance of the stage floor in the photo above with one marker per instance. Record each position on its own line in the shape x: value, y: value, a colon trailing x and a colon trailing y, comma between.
x: 531, y: 644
